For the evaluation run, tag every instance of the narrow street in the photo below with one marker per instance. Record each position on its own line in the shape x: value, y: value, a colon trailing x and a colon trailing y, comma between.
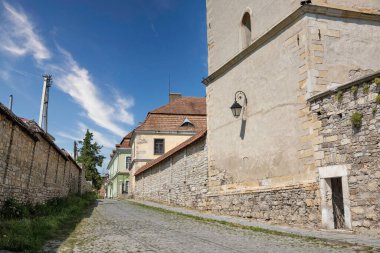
x: 120, y: 226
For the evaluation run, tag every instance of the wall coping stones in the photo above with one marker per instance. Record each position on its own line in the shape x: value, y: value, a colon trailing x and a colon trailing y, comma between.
x: 13, y: 117
x: 34, y: 131
x: 271, y: 189
x: 343, y: 87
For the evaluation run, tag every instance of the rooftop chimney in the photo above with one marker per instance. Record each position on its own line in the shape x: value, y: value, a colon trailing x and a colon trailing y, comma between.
x: 174, y: 96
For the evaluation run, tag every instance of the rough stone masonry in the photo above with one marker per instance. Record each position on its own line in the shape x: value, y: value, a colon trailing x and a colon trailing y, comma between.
x: 346, y: 141
x: 32, y: 167
x: 183, y: 178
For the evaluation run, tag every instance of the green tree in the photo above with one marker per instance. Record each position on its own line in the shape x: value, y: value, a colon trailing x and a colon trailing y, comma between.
x: 90, y: 157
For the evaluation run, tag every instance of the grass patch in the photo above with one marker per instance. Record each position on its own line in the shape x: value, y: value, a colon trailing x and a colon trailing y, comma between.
x: 354, y: 90
x: 312, y: 239
x: 339, y: 96
x: 26, y: 227
x: 366, y: 88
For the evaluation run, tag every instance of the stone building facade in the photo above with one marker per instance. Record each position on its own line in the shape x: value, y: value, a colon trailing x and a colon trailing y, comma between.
x: 348, y: 149
x: 179, y: 177
x: 283, y: 160
x: 32, y: 167
x: 276, y: 55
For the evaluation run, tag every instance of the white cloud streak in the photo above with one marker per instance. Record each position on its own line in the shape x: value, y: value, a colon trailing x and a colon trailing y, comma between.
x: 102, y: 140
x: 18, y: 37
x: 77, y: 82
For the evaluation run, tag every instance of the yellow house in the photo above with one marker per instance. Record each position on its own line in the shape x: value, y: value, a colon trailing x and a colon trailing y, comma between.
x: 164, y: 128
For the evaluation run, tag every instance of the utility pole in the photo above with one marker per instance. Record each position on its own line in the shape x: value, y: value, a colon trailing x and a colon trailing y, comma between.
x: 45, y: 102
x: 75, y: 150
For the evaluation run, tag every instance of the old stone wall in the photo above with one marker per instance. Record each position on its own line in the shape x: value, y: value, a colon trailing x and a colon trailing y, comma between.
x: 182, y: 180
x: 32, y: 167
x: 297, y: 205
x: 357, y: 149
x: 179, y: 180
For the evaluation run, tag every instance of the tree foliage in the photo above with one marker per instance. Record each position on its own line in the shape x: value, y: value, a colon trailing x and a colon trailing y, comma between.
x: 90, y: 157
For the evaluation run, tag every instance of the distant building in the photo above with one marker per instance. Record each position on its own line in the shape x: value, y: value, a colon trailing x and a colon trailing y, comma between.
x: 118, y: 169
x: 102, y: 192
x: 166, y: 127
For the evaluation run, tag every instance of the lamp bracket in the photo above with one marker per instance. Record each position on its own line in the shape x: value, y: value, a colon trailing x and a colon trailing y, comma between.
x: 239, y: 96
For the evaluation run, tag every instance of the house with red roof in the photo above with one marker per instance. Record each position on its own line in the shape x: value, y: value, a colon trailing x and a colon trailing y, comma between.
x: 165, y: 128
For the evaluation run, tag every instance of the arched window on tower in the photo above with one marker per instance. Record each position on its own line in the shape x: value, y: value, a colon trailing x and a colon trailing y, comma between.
x: 246, y: 30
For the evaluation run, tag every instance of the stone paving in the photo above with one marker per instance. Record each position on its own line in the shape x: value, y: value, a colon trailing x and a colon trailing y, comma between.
x: 121, y: 226
x: 342, y: 236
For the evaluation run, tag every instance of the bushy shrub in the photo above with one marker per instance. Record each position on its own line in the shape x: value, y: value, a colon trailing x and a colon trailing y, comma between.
x: 14, y: 209
x: 356, y: 120
x: 25, y: 227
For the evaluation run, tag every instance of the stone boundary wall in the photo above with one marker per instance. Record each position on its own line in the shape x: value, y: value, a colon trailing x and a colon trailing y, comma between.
x: 182, y: 180
x: 357, y: 149
x: 179, y: 180
x: 32, y: 167
x: 296, y: 205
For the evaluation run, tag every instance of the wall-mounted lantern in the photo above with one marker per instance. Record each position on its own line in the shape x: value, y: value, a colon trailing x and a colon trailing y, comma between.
x: 236, y: 108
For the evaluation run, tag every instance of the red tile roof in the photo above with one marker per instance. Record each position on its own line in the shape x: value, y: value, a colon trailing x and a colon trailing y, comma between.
x: 171, y: 116
x: 164, y: 122
x: 125, y: 142
x: 171, y: 152
x: 183, y: 106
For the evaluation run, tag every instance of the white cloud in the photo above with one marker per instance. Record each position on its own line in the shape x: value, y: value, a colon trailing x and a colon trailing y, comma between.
x: 18, y: 36
x: 69, y: 136
x: 77, y: 82
x: 102, y: 140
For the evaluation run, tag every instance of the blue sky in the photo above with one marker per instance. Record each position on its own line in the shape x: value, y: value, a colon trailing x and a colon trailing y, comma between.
x: 110, y: 61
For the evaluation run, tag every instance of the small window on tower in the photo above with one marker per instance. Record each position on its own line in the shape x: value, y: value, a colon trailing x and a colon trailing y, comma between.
x: 246, y: 30
x: 159, y: 146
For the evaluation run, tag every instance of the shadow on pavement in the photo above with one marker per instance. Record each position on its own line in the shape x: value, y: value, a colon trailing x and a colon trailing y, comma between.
x: 53, y: 244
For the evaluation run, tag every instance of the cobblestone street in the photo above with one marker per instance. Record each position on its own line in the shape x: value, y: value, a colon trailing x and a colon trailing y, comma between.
x: 119, y: 226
